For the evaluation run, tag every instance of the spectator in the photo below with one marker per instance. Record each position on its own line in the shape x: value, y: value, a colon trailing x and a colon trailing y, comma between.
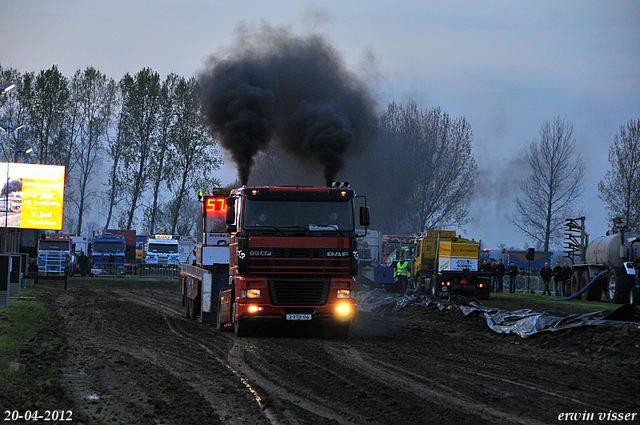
x: 513, y: 273
x: 558, y: 280
x: 566, y: 278
x: 67, y: 264
x: 111, y: 260
x: 546, y: 274
x: 84, y: 264
x: 72, y: 266
x: 499, y: 274
x: 486, y: 266
x: 33, y: 266
x: 494, y: 276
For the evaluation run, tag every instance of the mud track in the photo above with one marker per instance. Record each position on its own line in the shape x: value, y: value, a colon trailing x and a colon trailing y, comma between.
x: 132, y: 358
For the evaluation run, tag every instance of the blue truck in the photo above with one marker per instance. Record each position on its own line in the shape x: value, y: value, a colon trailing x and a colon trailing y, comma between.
x: 108, y: 253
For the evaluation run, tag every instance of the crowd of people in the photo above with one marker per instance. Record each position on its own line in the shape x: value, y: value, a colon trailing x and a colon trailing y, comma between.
x: 497, y: 268
x: 81, y: 263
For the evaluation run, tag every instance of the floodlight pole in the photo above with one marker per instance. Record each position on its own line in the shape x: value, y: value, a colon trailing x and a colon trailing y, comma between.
x: 6, y: 203
x: 7, y: 87
x: 4, y: 89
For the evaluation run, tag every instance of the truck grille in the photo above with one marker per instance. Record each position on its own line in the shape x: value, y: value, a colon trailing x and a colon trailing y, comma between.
x: 300, y: 260
x: 298, y: 291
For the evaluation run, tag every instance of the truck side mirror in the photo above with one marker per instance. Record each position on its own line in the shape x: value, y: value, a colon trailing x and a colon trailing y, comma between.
x: 365, y: 219
x: 231, y: 219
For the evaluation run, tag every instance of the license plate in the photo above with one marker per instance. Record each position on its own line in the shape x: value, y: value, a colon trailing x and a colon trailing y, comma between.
x: 298, y: 317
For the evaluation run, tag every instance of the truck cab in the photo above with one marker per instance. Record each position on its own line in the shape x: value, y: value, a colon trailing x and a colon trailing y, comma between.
x: 162, y: 251
x: 107, y: 253
x: 52, y: 251
x: 293, y: 256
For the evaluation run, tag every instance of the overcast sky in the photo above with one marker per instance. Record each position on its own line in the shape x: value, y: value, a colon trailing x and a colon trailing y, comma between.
x: 507, y: 66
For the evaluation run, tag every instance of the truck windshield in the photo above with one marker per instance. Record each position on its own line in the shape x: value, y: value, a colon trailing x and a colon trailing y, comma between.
x: 311, y: 216
x: 54, y: 245
x: 163, y: 248
x: 116, y: 246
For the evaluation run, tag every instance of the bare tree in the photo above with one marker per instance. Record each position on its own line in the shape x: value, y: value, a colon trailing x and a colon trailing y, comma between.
x: 447, y: 172
x: 159, y: 156
x: 194, y: 156
x: 140, y: 110
x: 620, y: 188
x: 555, y: 183
x: 94, y: 96
x: 115, y: 150
x: 424, y: 168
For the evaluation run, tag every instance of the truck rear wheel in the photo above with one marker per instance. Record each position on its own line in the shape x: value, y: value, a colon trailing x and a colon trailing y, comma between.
x: 634, y: 295
x: 617, y: 288
x: 576, y: 281
x: 194, y: 308
x: 432, y: 285
x: 185, y: 304
x: 594, y: 293
x: 219, y: 325
x: 485, y: 292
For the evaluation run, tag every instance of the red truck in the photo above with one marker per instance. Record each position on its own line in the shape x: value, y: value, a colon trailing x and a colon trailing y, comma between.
x: 292, y: 255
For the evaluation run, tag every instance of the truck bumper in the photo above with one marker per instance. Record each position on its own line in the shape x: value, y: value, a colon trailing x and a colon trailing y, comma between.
x: 256, y: 298
x: 343, y: 311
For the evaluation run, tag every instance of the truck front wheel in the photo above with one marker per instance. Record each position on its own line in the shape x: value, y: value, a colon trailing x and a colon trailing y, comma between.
x: 241, y: 327
x: 340, y: 330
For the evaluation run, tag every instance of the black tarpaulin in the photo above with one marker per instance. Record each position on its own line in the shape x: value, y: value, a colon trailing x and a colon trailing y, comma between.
x: 523, y: 323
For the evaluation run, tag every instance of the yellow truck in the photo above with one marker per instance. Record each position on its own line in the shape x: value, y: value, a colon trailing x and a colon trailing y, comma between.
x: 446, y: 264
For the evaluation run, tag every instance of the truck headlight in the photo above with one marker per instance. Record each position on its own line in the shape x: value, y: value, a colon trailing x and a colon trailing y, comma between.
x: 343, y: 293
x: 343, y: 309
x: 250, y: 293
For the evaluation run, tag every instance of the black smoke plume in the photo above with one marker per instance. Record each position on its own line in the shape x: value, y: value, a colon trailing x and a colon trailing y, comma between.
x: 271, y: 87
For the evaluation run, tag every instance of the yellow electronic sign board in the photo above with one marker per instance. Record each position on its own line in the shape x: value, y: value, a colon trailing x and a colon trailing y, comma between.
x: 33, y: 197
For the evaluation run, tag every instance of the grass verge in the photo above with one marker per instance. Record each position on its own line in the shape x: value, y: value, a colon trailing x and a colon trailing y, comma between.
x: 29, y: 336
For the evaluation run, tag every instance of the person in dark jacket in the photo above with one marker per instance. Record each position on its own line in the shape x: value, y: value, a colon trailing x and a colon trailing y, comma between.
x: 485, y: 267
x: 546, y: 273
x: 500, y: 269
x: 513, y: 273
x: 566, y: 277
x: 558, y: 278
x: 85, y: 264
x: 494, y: 275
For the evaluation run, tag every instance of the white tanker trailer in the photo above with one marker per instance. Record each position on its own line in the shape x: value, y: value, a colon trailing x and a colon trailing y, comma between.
x: 617, y: 255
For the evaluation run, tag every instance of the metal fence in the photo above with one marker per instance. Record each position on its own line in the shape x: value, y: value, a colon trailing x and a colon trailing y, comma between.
x: 526, y: 283
x: 134, y: 271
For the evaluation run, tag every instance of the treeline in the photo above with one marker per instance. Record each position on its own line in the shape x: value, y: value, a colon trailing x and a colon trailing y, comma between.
x: 135, y: 151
